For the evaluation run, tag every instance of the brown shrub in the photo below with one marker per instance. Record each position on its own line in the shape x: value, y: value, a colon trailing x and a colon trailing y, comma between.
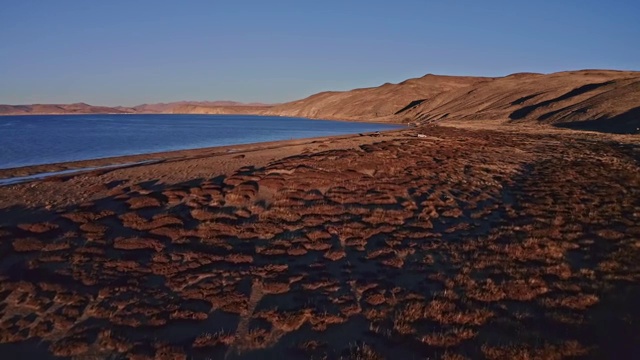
x: 27, y: 244
x: 137, y: 244
x: 38, y: 228
x: 335, y: 255
x: 239, y: 259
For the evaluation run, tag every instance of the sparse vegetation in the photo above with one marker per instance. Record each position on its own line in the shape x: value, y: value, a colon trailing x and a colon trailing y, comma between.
x: 459, y: 247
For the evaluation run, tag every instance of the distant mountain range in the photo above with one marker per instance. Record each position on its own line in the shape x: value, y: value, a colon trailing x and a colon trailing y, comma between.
x: 180, y: 106
x: 160, y: 108
x: 78, y: 108
x: 603, y: 100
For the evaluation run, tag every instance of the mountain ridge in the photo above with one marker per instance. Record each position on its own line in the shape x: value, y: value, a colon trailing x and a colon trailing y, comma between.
x: 591, y: 99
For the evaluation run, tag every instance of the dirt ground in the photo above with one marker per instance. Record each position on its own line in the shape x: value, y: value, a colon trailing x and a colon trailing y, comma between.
x: 491, y: 242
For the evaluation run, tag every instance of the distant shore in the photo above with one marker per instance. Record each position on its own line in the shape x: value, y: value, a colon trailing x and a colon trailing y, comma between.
x: 389, y: 120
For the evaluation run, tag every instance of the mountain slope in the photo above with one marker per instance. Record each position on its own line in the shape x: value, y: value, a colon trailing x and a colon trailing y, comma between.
x: 581, y: 98
x: 376, y: 102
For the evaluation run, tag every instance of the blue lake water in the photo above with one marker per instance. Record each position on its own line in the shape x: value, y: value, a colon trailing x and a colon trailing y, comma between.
x: 47, y: 139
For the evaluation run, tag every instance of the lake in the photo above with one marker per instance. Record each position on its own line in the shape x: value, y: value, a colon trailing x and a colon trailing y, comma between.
x: 47, y: 139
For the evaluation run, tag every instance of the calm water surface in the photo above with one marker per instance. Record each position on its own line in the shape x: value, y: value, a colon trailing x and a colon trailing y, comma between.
x: 46, y: 139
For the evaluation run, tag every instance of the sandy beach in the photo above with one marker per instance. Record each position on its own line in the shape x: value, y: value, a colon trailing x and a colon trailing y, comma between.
x: 486, y: 242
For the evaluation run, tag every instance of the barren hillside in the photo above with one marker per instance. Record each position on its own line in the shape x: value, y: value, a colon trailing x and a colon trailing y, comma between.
x: 602, y: 100
x: 377, y: 102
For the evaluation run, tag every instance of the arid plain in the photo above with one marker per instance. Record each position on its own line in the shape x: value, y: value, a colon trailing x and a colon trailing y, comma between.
x: 495, y: 235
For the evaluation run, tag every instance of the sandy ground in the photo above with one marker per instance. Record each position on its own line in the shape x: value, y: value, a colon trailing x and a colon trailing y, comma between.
x: 487, y: 242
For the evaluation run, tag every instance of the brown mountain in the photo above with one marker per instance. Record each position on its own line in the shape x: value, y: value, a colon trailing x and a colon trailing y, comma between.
x: 192, y: 108
x: 173, y: 107
x: 180, y: 107
x: 374, y: 103
x: 601, y: 100
x: 78, y: 108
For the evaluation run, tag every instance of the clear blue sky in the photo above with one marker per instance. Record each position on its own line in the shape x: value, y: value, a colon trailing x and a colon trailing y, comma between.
x: 131, y: 52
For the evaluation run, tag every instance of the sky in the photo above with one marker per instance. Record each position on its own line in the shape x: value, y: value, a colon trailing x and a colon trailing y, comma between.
x: 138, y: 51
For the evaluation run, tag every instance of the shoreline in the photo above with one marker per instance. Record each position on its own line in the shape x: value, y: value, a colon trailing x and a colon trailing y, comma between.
x: 66, y: 173
x: 358, y: 120
x: 229, y: 157
x: 167, y: 167
x: 30, y: 170
x: 384, y: 120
